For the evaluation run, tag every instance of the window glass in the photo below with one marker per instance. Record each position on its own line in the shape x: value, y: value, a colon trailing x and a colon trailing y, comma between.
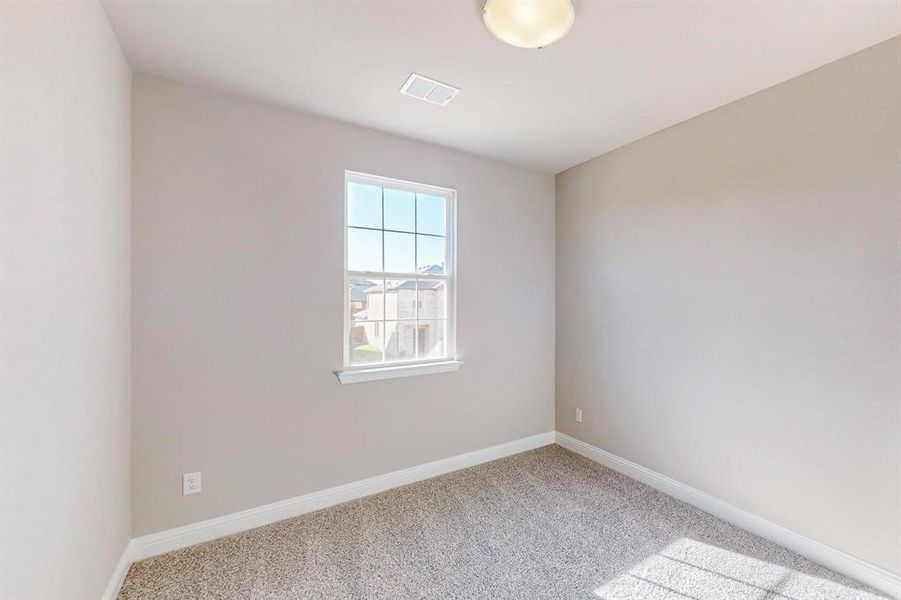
x: 400, y: 210
x: 365, y: 343
x: 400, y: 252
x: 364, y: 205
x: 400, y: 343
x: 430, y: 214
x: 430, y: 301
x: 430, y: 254
x: 430, y: 339
x: 364, y: 249
x: 399, y: 276
x: 366, y: 299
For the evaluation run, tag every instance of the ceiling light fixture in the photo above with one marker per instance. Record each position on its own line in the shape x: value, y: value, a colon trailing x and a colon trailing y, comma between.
x: 529, y: 23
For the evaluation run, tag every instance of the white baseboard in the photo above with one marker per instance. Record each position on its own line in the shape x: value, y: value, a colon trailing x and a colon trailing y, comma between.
x: 863, y: 571
x: 118, y: 577
x: 181, y: 537
x: 173, y: 539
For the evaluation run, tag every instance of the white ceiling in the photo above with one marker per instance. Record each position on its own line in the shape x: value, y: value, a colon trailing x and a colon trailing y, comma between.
x: 627, y: 68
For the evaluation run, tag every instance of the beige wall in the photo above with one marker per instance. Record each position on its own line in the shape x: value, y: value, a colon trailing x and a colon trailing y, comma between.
x: 728, y: 303
x: 65, y: 155
x: 238, y: 253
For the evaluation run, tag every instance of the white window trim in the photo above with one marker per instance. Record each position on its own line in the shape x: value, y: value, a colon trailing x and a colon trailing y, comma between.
x: 395, y: 371
x: 369, y: 372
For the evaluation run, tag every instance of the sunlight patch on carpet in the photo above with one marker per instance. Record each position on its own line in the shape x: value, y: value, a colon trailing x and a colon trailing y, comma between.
x: 691, y: 569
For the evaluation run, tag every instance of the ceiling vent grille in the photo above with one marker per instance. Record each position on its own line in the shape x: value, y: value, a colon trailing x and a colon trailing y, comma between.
x: 428, y: 89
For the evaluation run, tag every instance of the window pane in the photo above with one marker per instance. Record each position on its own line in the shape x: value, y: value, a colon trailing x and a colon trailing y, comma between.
x: 364, y: 205
x: 430, y: 214
x: 431, y: 299
x: 365, y: 342
x: 400, y: 299
x: 399, y: 252
x: 430, y: 339
x: 400, y: 340
x: 430, y: 254
x: 364, y: 250
x: 366, y: 299
x: 400, y: 211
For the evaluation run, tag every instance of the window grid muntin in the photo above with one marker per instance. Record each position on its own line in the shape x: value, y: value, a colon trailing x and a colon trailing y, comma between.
x: 395, y: 231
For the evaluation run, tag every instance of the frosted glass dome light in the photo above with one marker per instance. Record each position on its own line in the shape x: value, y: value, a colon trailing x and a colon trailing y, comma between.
x: 529, y: 23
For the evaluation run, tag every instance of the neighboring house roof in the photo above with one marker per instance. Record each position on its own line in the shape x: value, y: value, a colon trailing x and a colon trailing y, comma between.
x: 433, y: 270
x: 409, y: 284
x: 358, y: 291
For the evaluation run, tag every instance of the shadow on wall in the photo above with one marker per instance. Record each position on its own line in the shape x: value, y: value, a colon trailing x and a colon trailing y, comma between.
x: 691, y: 569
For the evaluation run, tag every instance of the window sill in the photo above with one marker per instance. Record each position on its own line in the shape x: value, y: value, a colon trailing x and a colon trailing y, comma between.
x: 360, y: 375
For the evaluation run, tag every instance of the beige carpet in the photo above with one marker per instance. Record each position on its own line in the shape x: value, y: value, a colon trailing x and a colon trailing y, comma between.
x: 545, y: 524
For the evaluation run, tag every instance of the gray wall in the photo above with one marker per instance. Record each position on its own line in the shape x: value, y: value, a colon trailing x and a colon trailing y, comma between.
x: 238, y: 256
x: 728, y: 303
x: 65, y: 385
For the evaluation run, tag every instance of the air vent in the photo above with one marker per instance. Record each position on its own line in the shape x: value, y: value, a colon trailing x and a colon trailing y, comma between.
x: 428, y: 90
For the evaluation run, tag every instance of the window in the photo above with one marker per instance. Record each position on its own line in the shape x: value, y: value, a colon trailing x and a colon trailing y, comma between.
x: 398, y: 277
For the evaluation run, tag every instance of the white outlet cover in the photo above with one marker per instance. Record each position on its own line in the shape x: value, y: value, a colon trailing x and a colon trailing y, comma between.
x: 191, y: 483
x: 578, y: 415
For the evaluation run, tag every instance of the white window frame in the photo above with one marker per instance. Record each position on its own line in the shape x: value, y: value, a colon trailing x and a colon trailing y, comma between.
x: 373, y: 371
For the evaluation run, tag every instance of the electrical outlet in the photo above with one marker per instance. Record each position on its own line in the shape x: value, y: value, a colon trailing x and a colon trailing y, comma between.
x: 578, y: 415
x: 190, y: 484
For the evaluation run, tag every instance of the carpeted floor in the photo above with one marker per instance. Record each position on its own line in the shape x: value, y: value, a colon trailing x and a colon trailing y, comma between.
x: 545, y: 524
